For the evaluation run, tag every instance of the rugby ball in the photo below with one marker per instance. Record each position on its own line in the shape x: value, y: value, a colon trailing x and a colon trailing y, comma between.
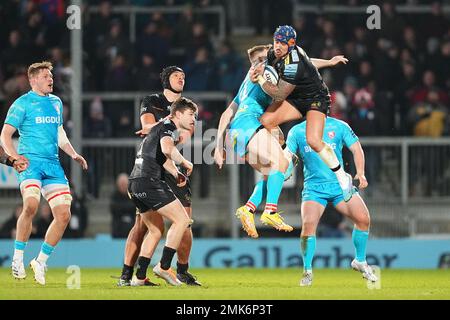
x: 270, y: 74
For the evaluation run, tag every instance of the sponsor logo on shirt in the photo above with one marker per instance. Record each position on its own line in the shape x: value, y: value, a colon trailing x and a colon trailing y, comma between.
x: 47, y: 120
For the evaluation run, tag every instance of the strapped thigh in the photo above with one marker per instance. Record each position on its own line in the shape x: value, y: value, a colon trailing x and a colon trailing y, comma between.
x: 57, y: 194
x: 31, y: 188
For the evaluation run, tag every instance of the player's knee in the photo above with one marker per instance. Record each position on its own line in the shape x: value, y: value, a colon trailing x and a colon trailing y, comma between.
x: 185, y: 222
x: 314, y: 142
x: 363, y: 222
x: 309, y: 227
x: 30, y: 208
x: 156, y: 231
x: 63, y: 217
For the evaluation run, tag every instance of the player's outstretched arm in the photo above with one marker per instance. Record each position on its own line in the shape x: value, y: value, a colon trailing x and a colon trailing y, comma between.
x: 172, y: 153
x: 321, y: 63
x: 225, y: 120
x: 359, y: 160
x: 66, y: 146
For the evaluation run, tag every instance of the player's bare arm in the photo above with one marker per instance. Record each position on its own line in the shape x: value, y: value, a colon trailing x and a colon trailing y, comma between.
x: 67, y: 147
x: 225, y: 120
x: 278, y: 92
x: 359, y: 160
x: 148, y: 121
x: 172, y: 153
x: 6, y: 140
x: 19, y: 164
x: 323, y: 63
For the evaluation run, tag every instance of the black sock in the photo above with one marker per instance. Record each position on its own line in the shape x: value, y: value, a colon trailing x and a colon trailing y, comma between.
x: 167, y: 257
x: 141, y: 272
x: 127, y: 272
x: 182, y: 268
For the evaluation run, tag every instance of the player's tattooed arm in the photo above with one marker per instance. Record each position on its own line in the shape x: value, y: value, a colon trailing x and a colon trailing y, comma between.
x: 278, y: 92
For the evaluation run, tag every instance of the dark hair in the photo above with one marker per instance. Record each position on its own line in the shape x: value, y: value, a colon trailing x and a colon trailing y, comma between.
x: 181, y: 105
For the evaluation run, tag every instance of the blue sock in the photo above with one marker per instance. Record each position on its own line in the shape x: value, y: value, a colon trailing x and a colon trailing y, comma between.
x: 46, y: 251
x: 359, y: 239
x: 20, y: 245
x: 308, y: 245
x: 274, y: 186
x: 257, y: 196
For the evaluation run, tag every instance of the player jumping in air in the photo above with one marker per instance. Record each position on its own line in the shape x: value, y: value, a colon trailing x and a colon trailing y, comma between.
x: 321, y: 186
x: 259, y: 147
x: 38, y: 116
x: 151, y: 193
x: 19, y: 164
x: 301, y: 92
x: 155, y: 108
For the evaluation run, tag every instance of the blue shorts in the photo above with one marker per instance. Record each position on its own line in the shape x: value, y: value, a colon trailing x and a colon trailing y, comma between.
x: 323, y: 193
x: 45, y: 171
x: 241, y: 131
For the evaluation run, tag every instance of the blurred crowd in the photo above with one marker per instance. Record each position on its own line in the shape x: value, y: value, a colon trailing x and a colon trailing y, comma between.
x: 397, y: 81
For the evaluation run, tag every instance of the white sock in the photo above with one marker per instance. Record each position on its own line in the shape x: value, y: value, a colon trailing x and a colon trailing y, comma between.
x: 18, y: 255
x: 329, y: 157
x: 42, y: 258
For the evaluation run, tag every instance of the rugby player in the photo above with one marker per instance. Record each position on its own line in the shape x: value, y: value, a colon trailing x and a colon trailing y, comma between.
x: 321, y: 187
x: 301, y: 92
x: 151, y: 193
x: 38, y: 116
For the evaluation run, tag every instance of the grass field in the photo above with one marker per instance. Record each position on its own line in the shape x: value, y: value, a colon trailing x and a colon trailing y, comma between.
x: 239, y: 284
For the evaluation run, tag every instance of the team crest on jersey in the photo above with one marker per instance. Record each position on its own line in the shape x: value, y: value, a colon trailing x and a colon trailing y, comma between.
x: 331, y: 134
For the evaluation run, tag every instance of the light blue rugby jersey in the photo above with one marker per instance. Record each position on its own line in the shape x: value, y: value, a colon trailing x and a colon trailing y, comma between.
x: 37, y: 119
x: 336, y: 134
x: 251, y: 99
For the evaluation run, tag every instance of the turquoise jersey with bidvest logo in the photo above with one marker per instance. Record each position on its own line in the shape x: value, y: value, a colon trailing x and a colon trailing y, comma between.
x: 37, y: 119
x: 336, y: 134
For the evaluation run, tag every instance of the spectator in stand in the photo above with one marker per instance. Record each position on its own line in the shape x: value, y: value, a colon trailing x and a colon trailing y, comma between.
x: 338, y: 107
x: 123, y: 210
x: 229, y: 68
x: 8, y: 228
x: 429, y: 83
x: 199, y: 72
x: 153, y: 44
x: 147, y: 76
x: 15, y: 55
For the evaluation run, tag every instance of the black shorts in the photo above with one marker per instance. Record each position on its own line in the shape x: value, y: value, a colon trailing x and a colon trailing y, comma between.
x: 150, y: 194
x: 322, y: 105
x: 182, y: 193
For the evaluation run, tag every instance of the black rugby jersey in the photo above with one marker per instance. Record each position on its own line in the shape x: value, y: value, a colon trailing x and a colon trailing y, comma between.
x: 157, y: 104
x: 150, y: 158
x: 296, y: 68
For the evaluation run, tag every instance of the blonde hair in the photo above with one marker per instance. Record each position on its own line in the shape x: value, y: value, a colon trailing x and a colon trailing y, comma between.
x: 253, y: 50
x: 34, y: 69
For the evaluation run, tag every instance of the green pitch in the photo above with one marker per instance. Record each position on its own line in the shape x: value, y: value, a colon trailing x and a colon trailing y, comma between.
x: 264, y: 284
